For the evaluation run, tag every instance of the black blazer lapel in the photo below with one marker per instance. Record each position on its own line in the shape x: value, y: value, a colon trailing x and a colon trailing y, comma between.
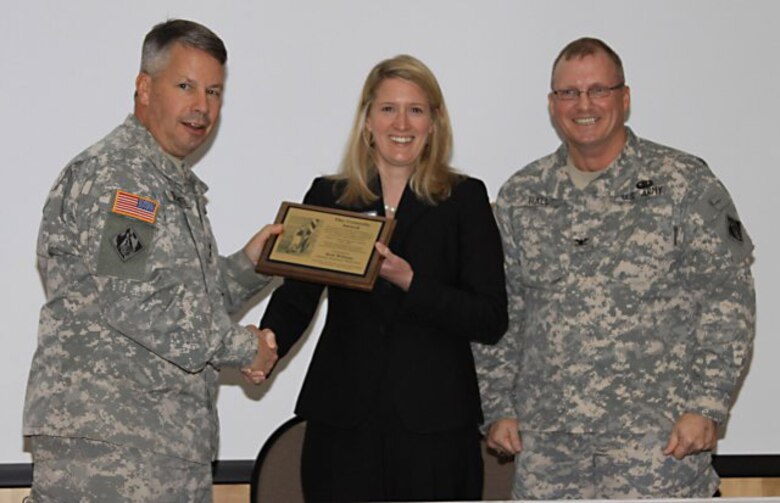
x: 410, y: 210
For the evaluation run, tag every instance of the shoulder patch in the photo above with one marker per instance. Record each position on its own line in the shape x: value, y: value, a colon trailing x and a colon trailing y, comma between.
x: 135, y: 206
x: 124, y: 247
x: 719, y: 214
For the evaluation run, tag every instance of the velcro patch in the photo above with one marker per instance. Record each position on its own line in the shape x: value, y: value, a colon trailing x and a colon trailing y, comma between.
x: 125, y: 247
x: 718, y: 214
x: 135, y: 206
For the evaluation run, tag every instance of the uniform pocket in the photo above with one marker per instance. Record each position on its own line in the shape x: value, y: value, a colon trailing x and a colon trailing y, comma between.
x: 540, y: 242
x: 644, y: 234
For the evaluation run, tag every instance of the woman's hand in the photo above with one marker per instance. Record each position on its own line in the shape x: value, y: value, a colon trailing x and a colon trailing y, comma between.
x: 394, y: 269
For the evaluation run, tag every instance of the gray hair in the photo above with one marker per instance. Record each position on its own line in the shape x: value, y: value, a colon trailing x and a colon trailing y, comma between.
x: 159, y: 40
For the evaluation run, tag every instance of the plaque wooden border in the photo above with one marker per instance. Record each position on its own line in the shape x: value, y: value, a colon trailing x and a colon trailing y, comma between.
x: 271, y: 264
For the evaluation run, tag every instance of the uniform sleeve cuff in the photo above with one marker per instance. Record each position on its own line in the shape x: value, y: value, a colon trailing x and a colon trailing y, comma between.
x: 243, y: 271
x: 239, y: 348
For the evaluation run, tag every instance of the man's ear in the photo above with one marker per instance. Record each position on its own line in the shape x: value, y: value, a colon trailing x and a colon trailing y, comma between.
x: 143, y: 84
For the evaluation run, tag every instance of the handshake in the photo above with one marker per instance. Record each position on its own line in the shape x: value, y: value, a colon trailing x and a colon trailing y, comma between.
x: 266, y: 357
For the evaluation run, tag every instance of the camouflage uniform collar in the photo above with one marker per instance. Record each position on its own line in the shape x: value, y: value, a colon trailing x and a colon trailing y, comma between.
x: 198, y: 184
x: 174, y: 169
x: 628, y: 167
x: 183, y: 167
x: 619, y: 172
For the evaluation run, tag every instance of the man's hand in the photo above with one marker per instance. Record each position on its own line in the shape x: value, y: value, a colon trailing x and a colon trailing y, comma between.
x: 691, y: 434
x: 504, y: 437
x: 394, y: 269
x: 254, y: 247
x: 266, y: 357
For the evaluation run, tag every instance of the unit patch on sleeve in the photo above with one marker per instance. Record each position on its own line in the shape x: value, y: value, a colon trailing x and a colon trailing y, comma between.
x: 126, y: 243
x: 719, y: 215
x: 135, y: 206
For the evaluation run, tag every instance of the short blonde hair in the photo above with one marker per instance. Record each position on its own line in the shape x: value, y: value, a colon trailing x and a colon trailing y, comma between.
x: 433, y: 177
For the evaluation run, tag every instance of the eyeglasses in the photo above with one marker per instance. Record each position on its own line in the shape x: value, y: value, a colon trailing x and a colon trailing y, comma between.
x: 594, y: 92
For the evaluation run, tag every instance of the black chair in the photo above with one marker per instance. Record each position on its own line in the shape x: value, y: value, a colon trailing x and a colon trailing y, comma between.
x: 276, y: 475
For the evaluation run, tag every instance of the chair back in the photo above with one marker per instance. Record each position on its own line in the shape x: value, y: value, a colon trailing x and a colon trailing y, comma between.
x: 499, y: 474
x: 276, y: 475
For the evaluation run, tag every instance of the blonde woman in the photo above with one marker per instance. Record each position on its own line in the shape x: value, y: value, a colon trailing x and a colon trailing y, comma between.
x: 390, y: 397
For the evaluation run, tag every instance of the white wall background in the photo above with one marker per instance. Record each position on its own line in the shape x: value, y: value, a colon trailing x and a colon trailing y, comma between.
x: 703, y: 75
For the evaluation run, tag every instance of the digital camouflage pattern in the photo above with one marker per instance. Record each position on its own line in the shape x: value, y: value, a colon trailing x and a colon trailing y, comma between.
x: 136, y: 321
x: 557, y: 466
x: 117, y: 474
x: 631, y: 301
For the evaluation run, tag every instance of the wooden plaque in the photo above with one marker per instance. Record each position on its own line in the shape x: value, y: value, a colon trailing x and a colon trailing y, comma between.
x: 326, y: 245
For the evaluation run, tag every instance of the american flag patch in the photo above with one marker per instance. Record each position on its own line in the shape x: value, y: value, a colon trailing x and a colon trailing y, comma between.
x: 135, y: 206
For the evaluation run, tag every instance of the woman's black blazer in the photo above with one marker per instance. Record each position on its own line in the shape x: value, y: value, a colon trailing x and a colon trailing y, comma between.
x: 410, y: 350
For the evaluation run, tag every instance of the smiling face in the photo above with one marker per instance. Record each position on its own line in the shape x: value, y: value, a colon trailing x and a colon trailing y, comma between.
x: 180, y: 103
x: 399, y: 121
x: 593, y: 128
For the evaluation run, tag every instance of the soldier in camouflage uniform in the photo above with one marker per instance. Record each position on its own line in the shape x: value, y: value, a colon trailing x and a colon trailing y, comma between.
x: 631, y: 305
x: 121, y: 396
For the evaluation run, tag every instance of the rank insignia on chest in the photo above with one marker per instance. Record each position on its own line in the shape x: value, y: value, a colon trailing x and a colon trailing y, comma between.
x: 127, y: 244
x: 135, y: 206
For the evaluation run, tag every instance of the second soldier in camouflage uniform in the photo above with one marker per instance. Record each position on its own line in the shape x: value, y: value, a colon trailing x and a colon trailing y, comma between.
x: 121, y: 397
x: 631, y: 305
